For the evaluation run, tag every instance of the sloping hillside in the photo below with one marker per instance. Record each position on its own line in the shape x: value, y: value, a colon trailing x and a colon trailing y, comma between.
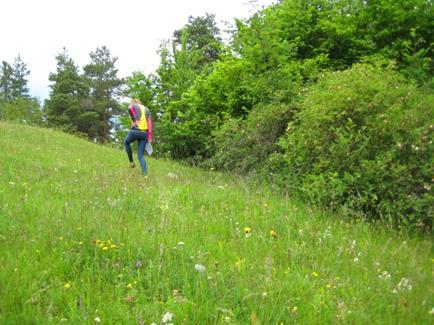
x: 84, y: 239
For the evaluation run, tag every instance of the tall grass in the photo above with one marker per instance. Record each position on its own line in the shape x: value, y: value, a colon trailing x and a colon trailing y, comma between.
x: 84, y: 239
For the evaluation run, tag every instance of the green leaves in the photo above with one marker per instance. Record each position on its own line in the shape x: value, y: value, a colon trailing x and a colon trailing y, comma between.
x: 85, y: 103
x: 363, y: 140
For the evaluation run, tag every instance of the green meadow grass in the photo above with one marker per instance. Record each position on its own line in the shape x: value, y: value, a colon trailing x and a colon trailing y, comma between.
x: 84, y: 239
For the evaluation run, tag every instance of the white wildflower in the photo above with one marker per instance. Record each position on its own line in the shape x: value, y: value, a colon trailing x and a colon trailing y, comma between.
x: 404, y: 285
x: 384, y: 275
x: 167, y: 317
x: 327, y: 233
x: 97, y: 320
x: 199, y: 268
x: 180, y: 244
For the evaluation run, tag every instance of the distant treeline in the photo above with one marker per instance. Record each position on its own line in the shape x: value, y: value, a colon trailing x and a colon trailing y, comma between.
x: 329, y: 100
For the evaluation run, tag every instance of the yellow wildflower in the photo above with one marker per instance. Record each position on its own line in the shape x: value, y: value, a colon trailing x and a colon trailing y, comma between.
x: 67, y: 285
x: 314, y: 274
x: 105, y: 248
x: 273, y: 233
x: 238, y: 263
x: 247, y: 230
x: 129, y: 285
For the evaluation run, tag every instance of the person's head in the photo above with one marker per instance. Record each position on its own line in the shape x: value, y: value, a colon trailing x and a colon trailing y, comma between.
x: 136, y: 101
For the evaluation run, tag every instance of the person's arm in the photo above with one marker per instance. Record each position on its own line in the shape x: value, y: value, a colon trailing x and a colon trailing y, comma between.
x: 133, y: 113
x: 148, y: 119
x: 149, y: 122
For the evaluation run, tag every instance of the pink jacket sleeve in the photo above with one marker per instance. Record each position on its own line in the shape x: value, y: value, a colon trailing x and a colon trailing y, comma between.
x: 148, y: 120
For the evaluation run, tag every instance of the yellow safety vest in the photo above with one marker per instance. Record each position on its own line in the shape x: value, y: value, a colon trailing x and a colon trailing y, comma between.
x: 143, y: 123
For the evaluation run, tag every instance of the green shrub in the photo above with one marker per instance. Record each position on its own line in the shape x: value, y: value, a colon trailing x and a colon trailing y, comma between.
x: 21, y: 110
x: 243, y: 145
x: 363, y: 139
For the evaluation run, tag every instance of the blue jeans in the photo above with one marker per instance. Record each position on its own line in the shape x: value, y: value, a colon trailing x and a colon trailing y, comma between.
x: 141, y: 138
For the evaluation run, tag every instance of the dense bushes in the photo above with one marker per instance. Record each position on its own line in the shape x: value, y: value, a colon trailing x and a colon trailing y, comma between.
x: 363, y: 138
x: 359, y: 138
x: 21, y: 110
x: 243, y: 145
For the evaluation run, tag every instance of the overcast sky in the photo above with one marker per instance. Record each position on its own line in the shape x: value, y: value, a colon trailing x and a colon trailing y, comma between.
x: 131, y: 29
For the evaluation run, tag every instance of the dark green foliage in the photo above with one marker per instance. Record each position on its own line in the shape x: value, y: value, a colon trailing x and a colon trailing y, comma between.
x: 15, y: 102
x: 104, y: 86
x: 363, y: 138
x: 203, y: 36
x: 19, y: 79
x: 85, y: 103
x: 66, y: 107
x: 13, y: 80
x: 244, y: 145
x: 141, y: 87
x: 21, y: 110
x: 6, y: 81
x: 183, y: 129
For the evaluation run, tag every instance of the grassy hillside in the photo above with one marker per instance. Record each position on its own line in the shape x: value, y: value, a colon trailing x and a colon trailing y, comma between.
x: 84, y: 239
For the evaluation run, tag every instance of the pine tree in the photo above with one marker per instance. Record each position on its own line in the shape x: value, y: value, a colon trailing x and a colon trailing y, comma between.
x: 19, y: 79
x: 64, y: 107
x: 204, y: 36
x: 6, y: 81
x: 104, y: 85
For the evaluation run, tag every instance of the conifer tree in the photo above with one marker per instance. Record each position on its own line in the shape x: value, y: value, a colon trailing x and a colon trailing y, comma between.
x: 5, y: 81
x: 68, y: 92
x: 104, y: 85
x: 19, y: 79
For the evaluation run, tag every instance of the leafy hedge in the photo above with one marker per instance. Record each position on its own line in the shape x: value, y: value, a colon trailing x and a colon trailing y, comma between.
x: 244, y: 145
x: 362, y: 139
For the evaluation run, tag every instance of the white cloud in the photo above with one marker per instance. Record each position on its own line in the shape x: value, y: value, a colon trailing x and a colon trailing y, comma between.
x: 131, y: 29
